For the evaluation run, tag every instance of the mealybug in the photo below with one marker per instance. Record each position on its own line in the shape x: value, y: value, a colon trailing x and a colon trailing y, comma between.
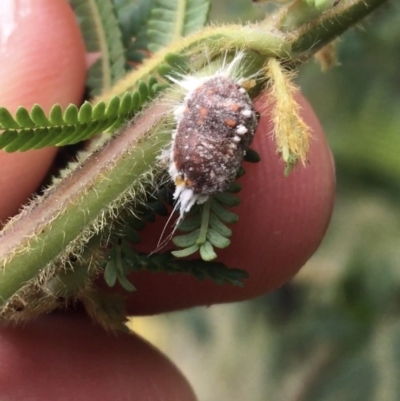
x: 215, y: 126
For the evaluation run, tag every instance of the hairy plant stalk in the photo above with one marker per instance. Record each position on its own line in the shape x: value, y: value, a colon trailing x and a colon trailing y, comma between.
x: 291, y: 134
x: 216, y: 40
x: 316, y: 33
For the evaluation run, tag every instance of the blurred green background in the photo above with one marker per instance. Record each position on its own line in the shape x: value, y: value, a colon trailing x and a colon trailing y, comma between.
x: 333, y: 333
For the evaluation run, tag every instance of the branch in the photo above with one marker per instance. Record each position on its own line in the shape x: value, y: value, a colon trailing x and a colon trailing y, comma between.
x: 311, y: 36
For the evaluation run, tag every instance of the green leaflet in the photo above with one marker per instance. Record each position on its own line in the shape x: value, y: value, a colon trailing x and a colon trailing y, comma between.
x: 207, y: 252
x: 115, y: 268
x: 171, y: 20
x: 251, y: 156
x: 234, y: 187
x: 227, y: 199
x: 223, y: 214
x: 190, y: 223
x: 101, y: 32
x: 183, y: 253
x: 35, y: 130
x: 111, y: 273
x: 187, y: 240
x: 216, y: 239
x: 218, y: 226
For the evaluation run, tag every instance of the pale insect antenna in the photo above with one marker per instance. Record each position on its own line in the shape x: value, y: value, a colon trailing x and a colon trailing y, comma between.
x: 162, y: 242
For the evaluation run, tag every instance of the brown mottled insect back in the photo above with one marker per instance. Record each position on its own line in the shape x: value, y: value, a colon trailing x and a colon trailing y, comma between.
x: 215, y: 126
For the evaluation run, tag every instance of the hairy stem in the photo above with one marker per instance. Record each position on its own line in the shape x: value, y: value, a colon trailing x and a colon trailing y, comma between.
x: 215, y: 39
x: 311, y: 36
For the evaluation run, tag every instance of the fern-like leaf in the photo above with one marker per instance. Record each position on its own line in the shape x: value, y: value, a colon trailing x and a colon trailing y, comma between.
x: 171, y: 20
x: 35, y: 130
x: 122, y: 260
x: 102, y: 34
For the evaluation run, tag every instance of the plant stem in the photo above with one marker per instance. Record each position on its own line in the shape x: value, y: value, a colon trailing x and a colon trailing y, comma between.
x: 264, y: 42
x: 315, y: 34
x: 205, y: 221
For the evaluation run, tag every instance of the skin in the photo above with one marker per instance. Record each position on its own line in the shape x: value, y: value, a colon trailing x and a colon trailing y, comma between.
x: 35, y: 45
x: 65, y: 356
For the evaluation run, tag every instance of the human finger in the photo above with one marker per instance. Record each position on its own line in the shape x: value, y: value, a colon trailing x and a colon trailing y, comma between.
x: 43, y: 62
x: 66, y: 357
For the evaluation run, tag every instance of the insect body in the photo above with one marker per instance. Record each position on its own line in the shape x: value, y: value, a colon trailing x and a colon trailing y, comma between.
x: 216, y: 125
